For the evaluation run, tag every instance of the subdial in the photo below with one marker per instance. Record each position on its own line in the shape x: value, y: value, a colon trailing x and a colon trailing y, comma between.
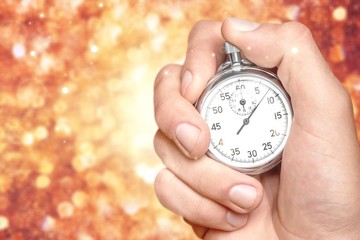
x: 242, y: 102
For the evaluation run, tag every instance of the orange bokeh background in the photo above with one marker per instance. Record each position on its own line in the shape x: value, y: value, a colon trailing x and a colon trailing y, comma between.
x: 76, y: 79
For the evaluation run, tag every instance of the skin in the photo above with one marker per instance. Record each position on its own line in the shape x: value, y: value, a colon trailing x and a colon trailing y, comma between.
x: 314, y: 195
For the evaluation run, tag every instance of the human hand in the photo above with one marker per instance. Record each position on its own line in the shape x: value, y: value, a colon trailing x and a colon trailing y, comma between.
x: 316, y: 193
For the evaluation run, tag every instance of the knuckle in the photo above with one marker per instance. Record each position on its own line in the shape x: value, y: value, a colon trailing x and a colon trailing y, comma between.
x: 163, y: 73
x: 160, y: 185
x: 158, y: 109
x: 157, y: 144
x: 344, y: 100
x: 201, y: 211
x: 162, y: 95
x: 163, y: 114
x: 296, y: 31
x: 206, y: 177
x: 202, y: 28
x: 201, y: 24
x: 202, y: 180
x: 166, y: 151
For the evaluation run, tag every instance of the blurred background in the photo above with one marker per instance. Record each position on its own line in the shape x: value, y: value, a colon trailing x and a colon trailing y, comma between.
x: 76, y: 82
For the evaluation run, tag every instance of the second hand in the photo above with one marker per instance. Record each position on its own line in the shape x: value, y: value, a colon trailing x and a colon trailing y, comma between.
x: 247, y: 120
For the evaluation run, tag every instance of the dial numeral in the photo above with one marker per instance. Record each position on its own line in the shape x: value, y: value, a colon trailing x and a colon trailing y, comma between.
x: 278, y: 115
x: 217, y: 110
x: 257, y: 90
x: 216, y: 126
x: 274, y: 133
x: 267, y: 146
x: 225, y: 96
x: 252, y: 154
x: 235, y: 151
x: 270, y: 100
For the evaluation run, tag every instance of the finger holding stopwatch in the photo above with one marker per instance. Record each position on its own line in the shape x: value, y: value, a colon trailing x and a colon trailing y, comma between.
x: 236, y: 191
x: 178, y: 197
x: 176, y: 116
x: 204, y: 54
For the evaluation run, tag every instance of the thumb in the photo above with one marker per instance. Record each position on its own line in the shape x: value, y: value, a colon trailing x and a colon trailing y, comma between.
x: 322, y: 145
x: 321, y: 105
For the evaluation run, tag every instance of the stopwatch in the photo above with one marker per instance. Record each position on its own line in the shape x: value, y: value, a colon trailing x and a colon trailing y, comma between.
x: 248, y: 112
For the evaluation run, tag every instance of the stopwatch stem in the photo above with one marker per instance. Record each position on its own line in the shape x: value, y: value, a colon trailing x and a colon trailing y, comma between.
x: 233, y: 53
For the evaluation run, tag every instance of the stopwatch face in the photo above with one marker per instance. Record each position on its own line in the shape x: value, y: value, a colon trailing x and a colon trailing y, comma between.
x: 249, y: 116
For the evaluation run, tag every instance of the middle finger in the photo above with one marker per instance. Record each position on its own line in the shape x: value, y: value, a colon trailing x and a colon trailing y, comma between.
x: 211, y: 179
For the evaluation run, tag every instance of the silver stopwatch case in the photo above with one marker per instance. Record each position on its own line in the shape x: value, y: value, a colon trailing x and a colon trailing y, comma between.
x: 249, y: 115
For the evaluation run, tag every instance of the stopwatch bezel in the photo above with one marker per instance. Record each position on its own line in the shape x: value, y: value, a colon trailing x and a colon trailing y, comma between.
x: 242, y: 72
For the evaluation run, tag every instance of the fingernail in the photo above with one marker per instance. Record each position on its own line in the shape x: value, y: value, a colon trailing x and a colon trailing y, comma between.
x: 243, y: 196
x: 185, y: 81
x: 242, y: 25
x: 187, y: 135
x: 236, y: 219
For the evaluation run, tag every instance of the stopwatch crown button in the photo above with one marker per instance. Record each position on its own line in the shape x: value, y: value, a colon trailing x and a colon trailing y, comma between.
x: 230, y: 48
x: 233, y: 53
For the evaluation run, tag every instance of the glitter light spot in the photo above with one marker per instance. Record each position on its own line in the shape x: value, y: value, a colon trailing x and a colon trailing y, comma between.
x: 79, y: 199
x: 337, y: 53
x: 292, y: 12
x: 62, y: 127
x: 28, y: 139
x: 84, y: 161
x: 74, y: 4
x: 138, y: 74
x: 147, y: 173
x: 85, y: 236
x: 41, y: 133
x: 4, y: 222
x: 65, y: 90
x: 94, y: 48
x: 5, y: 183
x: 158, y: 42
x: 103, y: 206
x: 45, y: 167
x: 18, y: 50
x: 33, y: 53
x: 48, y: 224
x: 93, y: 179
x: 294, y: 50
x: 357, y: 87
x: 152, y: 21
x: 339, y: 13
x: 30, y: 95
x: 65, y: 210
x: 42, y: 182
x: 132, y: 207
x: 47, y: 63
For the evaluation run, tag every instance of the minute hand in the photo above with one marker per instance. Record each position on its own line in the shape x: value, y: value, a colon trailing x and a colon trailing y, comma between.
x: 247, y: 120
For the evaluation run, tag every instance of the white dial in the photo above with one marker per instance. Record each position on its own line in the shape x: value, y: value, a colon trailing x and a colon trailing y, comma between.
x: 249, y: 116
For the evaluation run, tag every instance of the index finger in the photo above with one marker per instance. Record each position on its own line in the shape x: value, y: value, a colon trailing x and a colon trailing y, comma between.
x: 204, y: 54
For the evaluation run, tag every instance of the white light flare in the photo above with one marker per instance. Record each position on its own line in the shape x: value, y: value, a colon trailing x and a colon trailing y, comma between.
x: 18, y: 50
x: 94, y: 48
